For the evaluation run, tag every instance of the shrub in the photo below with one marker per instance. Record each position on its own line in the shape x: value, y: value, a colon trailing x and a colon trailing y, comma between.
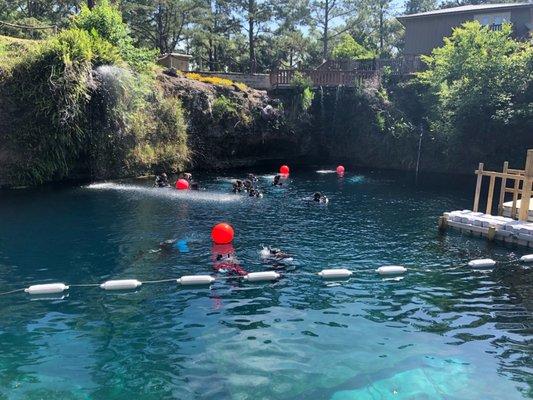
x: 224, y: 108
x: 216, y: 80
x: 304, y: 92
x: 161, y: 138
x: 105, y: 21
x: 12, y: 50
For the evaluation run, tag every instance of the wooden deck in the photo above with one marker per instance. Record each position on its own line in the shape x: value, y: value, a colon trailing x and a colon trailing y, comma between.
x: 333, y: 73
x: 325, y: 78
x: 508, y: 207
x: 514, y: 220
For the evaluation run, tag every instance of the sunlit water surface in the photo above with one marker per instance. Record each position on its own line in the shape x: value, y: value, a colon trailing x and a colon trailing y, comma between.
x: 442, y: 332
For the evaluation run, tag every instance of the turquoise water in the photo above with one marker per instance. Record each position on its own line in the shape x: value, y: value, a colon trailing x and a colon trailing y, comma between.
x: 442, y: 332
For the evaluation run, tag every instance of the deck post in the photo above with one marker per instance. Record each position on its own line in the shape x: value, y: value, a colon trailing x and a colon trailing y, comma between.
x: 516, y: 189
x: 502, y: 188
x: 490, y: 195
x: 479, y: 173
x: 526, y: 187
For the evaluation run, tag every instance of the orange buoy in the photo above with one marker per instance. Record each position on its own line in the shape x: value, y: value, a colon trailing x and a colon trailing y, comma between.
x: 284, y: 169
x: 182, y: 184
x: 222, y: 233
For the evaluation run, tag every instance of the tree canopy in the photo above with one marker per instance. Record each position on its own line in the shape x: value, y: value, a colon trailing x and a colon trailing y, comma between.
x: 480, y: 89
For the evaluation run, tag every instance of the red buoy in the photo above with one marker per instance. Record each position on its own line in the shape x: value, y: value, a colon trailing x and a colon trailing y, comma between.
x: 222, y: 233
x: 340, y: 170
x: 284, y: 169
x: 182, y: 184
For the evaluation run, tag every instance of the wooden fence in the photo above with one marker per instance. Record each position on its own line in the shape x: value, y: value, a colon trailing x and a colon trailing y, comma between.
x: 397, y: 66
x: 321, y: 77
x: 521, y: 184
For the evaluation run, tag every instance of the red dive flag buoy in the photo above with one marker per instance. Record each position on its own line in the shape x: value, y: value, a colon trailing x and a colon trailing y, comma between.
x: 284, y: 169
x: 340, y: 170
x: 182, y: 184
x: 222, y: 233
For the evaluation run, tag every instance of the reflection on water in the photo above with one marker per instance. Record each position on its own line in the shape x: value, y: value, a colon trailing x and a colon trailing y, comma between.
x: 442, y: 332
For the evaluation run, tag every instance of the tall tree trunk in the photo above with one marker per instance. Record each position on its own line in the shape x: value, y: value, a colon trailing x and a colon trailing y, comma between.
x: 161, y: 45
x: 325, y: 38
x: 381, y: 33
x: 251, y: 39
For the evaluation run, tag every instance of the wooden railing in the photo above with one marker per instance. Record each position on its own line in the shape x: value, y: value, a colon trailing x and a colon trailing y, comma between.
x: 397, y: 66
x: 319, y: 77
x: 348, y: 72
x: 521, y: 184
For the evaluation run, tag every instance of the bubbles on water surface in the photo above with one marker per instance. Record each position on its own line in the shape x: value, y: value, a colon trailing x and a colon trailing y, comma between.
x: 169, y: 193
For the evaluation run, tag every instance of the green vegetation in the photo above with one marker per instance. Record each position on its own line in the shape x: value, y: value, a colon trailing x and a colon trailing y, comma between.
x: 304, y: 95
x: 349, y: 49
x: 87, y: 100
x: 228, y: 113
x: 474, y: 102
x: 479, y: 94
x: 228, y: 35
x: 106, y: 21
x: 224, y: 108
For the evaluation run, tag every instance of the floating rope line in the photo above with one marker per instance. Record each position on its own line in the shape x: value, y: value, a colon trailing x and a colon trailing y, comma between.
x: 11, y: 291
x: 85, y: 285
x: 263, y: 276
x: 160, y: 281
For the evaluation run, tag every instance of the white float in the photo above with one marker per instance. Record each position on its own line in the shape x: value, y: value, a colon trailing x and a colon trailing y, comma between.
x: 46, y: 288
x: 122, y: 284
x: 527, y: 258
x: 482, y: 262
x: 261, y: 276
x: 190, y: 280
x: 335, y: 273
x: 391, y: 270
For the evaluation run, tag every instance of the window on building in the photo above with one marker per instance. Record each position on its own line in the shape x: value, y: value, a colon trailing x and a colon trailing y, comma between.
x: 494, y: 21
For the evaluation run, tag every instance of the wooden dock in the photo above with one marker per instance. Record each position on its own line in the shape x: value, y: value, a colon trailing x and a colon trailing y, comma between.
x: 514, y: 220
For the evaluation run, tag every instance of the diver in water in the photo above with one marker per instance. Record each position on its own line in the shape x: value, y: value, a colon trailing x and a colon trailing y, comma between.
x: 320, y: 198
x: 228, y: 265
x: 276, y: 258
x: 161, y: 181
x: 274, y: 253
x: 247, y: 185
x: 185, y: 175
x: 193, y: 185
x: 252, y: 178
x: 277, y: 181
x: 238, y: 186
x: 255, y: 193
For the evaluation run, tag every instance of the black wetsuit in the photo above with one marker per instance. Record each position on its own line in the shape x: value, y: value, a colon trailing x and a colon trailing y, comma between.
x: 161, y: 181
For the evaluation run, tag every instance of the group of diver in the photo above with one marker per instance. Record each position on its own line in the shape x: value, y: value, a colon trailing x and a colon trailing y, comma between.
x: 225, y: 261
x: 161, y: 181
x: 247, y: 185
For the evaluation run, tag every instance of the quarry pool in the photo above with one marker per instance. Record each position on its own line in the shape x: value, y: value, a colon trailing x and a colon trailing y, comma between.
x: 441, y: 331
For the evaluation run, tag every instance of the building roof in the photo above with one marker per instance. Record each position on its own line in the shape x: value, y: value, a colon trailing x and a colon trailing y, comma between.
x: 465, y: 9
